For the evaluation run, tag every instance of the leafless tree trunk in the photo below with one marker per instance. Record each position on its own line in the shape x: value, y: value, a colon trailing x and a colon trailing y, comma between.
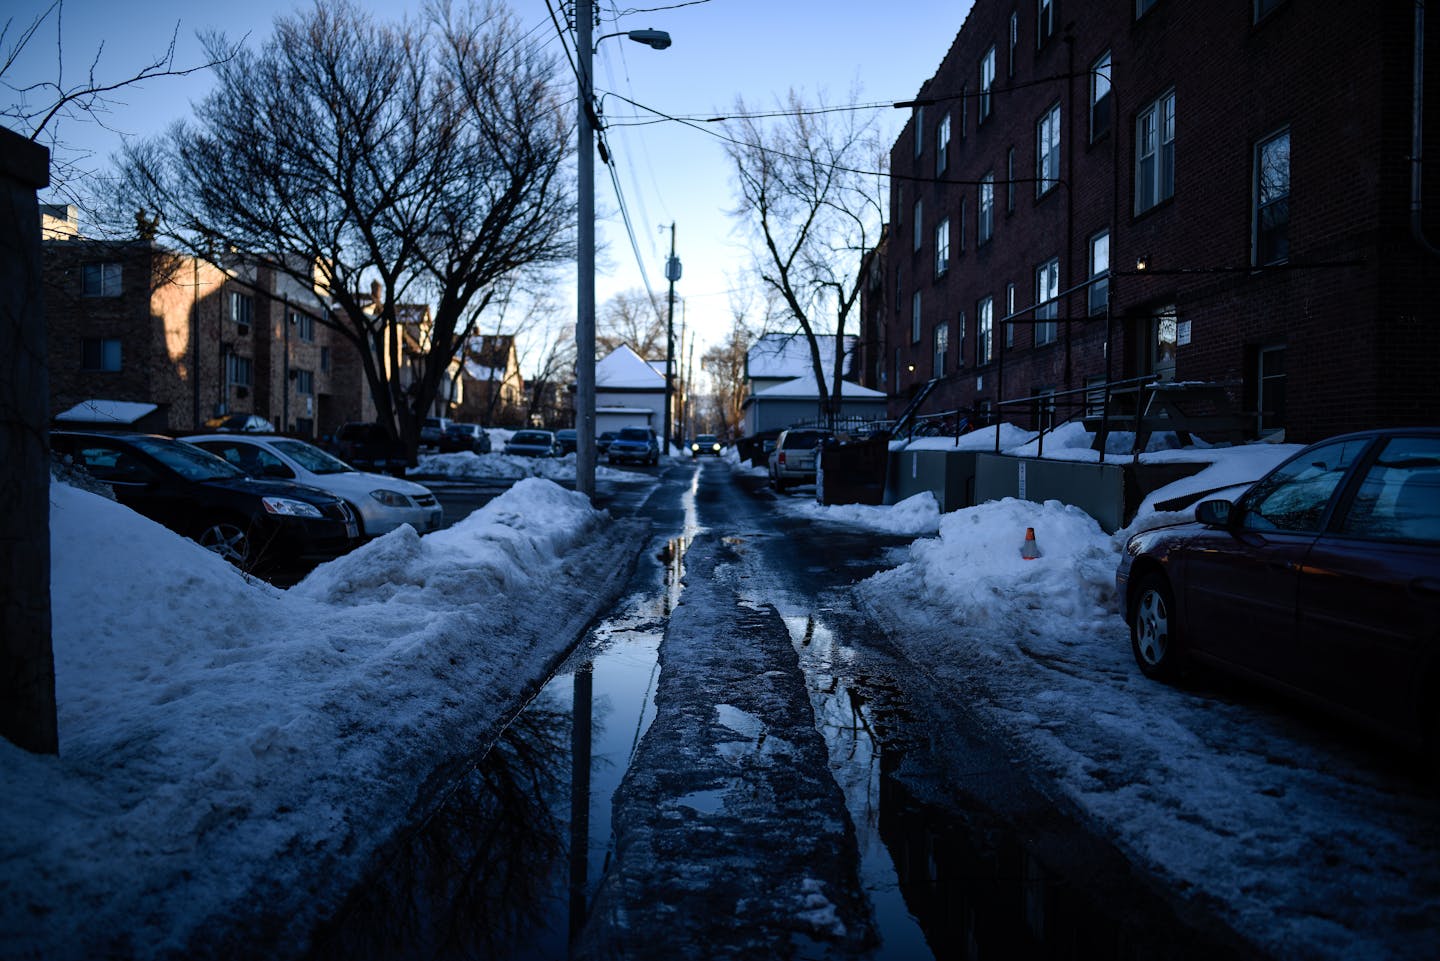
x: 425, y: 158
x: 813, y: 213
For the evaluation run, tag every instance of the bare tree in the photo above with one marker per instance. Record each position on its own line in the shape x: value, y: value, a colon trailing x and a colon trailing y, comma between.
x: 427, y: 158
x: 812, y: 214
x: 40, y: 109
x: 725, y: 363
x: 630, y: 317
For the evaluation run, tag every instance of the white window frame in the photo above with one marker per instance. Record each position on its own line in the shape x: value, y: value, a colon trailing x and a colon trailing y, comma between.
x: 1098, y: 293
x: 1014, y: 39
x: 984, y: 328
x: 1100, y: 75
x: 304, y: 326
x: 942, y: 247
x: 1155, y: 152
x: 1044, y: 21
x: 940, y: 348
x: 104, y: 279
x: 242, y: 308
x: 1259, y: 203
x: 1047, y: 288
x: 942, y: 144
x: 985, y: 205
x: 987, y: 83
x: 1047, y: 151
x: 239, y: 371
x: 304, y: 382
x: 1009, y: 312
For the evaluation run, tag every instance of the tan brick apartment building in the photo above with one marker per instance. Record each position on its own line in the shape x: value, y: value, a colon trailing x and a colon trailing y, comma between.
x: 1215, y: 190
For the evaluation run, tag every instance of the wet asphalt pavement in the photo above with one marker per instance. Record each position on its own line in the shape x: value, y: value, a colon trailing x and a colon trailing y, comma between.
x: 735, y: 763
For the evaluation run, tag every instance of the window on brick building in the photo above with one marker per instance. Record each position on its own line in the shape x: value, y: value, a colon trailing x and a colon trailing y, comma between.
x: 942, y: 144
x: 985, y: 220
x: 100, y: 280
x: 963, y: 210
x: 1014, y: 40
x: 1155, y: 153
x: 987, y: 81
x: 1010, y: 180
x: 304, y: 325
x: 1099, y: 298
x: 917, y: 231
x: 324, y: 359
x: 1047, y: 151
x: 919, y: 126
x: 984, y: 323
x: 1142, y: 7
x: 942, y: 247
x: 1047, y: 304
x: 915, y: 317
x: 1269, y: 374
x: 304, y: 382
x: 1044, y: 21
x: 1009, y: 312
x: 960, y: 341
x: 941, y: 349
x: 1100, y: 98
x: 1272, y: 200
x: 100, y: 353
x: 242, y: 308
x: 239, y: 372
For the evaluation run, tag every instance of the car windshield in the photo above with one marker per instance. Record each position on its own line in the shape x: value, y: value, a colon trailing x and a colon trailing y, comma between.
x: 187, y: 460
x: 530, y: 437
x: 705, y: 440
x: 313, y: 459
x: 635, y: 433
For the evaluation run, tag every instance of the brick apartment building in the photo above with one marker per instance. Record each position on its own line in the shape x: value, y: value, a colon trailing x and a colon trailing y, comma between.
x: 1088, y: 193
x: 132, y: 321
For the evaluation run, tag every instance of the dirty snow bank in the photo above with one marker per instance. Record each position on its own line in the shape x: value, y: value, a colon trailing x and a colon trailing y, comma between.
x: 226, y: 744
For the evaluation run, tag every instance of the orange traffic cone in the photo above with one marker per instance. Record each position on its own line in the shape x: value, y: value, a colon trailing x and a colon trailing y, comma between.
x: 1028, y: 548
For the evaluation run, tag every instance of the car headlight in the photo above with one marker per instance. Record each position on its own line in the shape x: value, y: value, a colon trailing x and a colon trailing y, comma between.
x: 694, y: 446
x: 715, y: 448
x: 290, y: 508
x: 390, y: 498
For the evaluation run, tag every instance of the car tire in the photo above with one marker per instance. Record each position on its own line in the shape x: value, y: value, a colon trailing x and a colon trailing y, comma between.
x: 230, y: 540
x: 1154, y: 629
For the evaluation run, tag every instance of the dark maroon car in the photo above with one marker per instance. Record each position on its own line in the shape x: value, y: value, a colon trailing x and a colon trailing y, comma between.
x: 1322, y: 580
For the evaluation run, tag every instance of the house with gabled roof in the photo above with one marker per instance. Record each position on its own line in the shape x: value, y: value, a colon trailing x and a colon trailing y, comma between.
x: 629, y: 392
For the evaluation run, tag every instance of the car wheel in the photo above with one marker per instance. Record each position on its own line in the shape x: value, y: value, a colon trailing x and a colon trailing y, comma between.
x: 229, y: 540
x: 1155, y: 629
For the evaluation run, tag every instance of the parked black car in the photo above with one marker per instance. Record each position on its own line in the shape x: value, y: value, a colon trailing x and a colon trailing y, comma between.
x: 368, y: 446
x: 462, y: 437
x: 567, y: 440
x: 602, y: 443
x: 267, y: 527
x: 432, y: 429
x: 1321, y: 580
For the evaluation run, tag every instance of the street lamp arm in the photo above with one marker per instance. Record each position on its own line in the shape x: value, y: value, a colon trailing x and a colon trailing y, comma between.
x: 658, y: 39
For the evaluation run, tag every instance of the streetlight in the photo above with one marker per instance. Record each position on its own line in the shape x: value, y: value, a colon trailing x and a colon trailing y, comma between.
x: 585, y: 283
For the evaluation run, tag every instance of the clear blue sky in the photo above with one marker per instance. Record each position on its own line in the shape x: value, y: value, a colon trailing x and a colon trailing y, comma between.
x: 723, y: 49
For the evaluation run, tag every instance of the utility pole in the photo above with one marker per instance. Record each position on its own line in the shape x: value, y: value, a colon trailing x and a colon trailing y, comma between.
x: 672, y: 274
x: 585, y: 281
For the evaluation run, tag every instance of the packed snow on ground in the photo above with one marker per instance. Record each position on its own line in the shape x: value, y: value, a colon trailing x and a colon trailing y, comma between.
x: 467, y: 464
x: 1308, y: 837
x: 220, y: 737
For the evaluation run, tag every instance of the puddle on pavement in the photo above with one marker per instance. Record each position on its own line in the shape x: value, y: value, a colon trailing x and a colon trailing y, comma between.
x: 942, y: 884
x: 506, y: 869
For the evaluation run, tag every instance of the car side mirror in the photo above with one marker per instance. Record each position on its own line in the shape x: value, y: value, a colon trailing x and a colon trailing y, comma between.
x: 1216, y: 513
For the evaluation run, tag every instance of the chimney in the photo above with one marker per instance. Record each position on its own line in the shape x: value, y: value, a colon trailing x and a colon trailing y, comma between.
x: 377, y: 291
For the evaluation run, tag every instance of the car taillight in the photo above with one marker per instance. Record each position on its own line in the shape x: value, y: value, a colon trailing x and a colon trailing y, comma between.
x: 780, y: 458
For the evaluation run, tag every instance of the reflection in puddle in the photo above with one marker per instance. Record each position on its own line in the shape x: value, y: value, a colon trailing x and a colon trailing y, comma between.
x: 509, y: 864
x: 946, y: 882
